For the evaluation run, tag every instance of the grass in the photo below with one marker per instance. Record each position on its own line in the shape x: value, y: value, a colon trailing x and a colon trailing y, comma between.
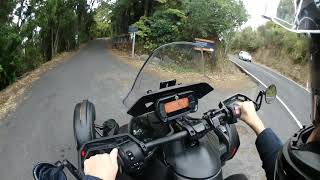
x: 282, y: 64
x: 224, y: 75
x: 176, y: 68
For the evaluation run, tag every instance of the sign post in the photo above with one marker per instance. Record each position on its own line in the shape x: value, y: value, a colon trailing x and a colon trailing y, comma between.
x: 133, y: 43
x: 132, y: 30
x: 208, y: 46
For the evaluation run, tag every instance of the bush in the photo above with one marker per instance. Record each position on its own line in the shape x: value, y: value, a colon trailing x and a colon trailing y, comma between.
x: 163, y: 27
x: 10, y: 56
x: 272, y: 36
x: 248, y: 40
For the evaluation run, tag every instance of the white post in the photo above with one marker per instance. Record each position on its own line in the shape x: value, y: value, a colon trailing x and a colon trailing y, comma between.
x: 133, y: 43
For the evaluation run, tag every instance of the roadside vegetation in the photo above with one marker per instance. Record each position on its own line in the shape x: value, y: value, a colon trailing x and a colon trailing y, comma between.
x: 164, y: 21
x: 277, y: 48
x: 33, y: 32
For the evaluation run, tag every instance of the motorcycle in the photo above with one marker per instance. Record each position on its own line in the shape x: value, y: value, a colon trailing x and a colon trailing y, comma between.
x: 167, y: 137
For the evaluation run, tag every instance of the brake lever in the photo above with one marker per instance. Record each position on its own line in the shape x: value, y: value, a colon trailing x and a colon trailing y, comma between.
x: 258, y: 101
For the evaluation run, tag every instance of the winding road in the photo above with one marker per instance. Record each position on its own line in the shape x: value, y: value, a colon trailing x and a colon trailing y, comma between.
x: 293, y: 97
x: 40, y: 129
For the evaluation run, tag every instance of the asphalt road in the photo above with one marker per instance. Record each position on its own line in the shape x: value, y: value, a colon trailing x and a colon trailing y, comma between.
x: 40, y: 129
x: 295, y: 99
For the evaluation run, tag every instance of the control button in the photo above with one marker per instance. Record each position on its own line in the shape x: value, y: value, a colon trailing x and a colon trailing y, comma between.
x: 136, y: 164
x: 130, y: 155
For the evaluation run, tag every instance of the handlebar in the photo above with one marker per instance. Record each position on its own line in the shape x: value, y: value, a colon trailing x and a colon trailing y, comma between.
x: 167, y: 139
x: 133, y: 152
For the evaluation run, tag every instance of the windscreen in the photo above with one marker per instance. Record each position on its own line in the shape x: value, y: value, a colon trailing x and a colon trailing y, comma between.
x: 300, y: 16
x: 171, y: 65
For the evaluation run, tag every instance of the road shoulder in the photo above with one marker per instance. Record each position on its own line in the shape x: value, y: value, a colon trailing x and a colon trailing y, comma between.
x: 12, y: 96
x: 230, y: 83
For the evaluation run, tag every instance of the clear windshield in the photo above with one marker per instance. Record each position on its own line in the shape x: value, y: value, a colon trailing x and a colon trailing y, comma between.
x: 181, y: 61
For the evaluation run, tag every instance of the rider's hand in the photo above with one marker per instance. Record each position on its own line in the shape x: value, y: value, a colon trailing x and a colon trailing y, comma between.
x: 103, y: 166
x: 250, y: 117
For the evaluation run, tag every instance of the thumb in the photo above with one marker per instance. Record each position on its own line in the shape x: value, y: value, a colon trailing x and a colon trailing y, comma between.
x: 113, y: 156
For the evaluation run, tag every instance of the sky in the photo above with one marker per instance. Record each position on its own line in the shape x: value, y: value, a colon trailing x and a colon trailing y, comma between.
x: 255, y: 9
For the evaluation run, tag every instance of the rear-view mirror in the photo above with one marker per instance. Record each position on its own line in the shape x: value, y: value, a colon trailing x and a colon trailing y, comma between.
x: 270, y: 94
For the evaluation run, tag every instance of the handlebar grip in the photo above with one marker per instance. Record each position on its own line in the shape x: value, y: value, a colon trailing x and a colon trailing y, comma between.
x: 237, y: 111
x: 234, y: 113
x: 130, y: 157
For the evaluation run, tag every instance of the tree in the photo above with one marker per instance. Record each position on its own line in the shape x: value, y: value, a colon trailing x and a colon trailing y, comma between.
x: 163, y: 27
x: 213, y: 18
x: 102, y: 26
x: 10, y: 55
x: 275, y: 38
x: 42, y: 29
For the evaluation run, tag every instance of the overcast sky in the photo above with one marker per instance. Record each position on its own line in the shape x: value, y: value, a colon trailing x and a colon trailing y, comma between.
x: 256, y: 8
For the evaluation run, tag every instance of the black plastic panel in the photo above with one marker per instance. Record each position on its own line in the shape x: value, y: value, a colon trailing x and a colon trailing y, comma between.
x: 139, y: 107
x: 199, y: 162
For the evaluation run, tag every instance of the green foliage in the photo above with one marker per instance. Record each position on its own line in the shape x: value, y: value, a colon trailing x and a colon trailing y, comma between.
x: 164, y: 21
x: 102, y: 27
x: 162, y: 27
x: 212, y: 18
x: 10, y: 56
x: 42, y: 30
x: 5, y: 9
x: 274, y: 37
x: 46, y: 28
x: 247, y: 40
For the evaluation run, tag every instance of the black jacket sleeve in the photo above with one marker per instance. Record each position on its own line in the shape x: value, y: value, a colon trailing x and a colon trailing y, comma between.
x: 268, y: 144
x: 90, y: 178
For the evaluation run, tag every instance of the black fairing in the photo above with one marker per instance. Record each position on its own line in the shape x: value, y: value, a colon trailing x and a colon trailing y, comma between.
x: 198, y: 162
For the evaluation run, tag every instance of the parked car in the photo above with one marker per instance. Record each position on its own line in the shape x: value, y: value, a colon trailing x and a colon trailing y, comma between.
x: 243, y: 55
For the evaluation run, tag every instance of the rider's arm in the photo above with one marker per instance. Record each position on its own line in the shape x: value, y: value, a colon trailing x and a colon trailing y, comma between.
x: 101, y: 166
x: 268, y: 144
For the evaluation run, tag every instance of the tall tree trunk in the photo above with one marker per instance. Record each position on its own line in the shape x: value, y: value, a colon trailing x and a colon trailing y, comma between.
x: 56, y: 41
x: 20, y: 14
x: 52, y: 44
x: 146, y: 7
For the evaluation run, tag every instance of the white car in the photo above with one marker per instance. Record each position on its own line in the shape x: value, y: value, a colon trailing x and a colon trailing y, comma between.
x: 245, y: 56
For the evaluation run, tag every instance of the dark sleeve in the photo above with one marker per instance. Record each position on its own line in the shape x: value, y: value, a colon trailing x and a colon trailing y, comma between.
x: 90, y: 178
x: 268, y: 144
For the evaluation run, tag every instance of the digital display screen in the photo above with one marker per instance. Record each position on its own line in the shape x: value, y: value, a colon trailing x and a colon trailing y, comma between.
x: 176, y: 105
